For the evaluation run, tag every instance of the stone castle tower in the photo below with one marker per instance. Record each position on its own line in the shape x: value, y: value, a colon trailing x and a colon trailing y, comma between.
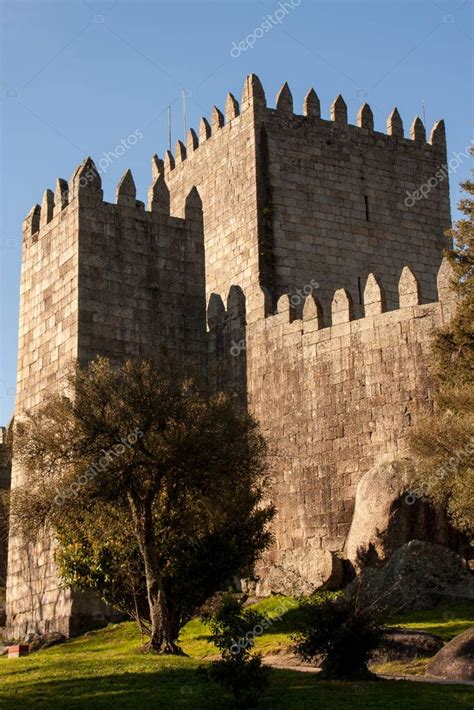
x: 276, y: 255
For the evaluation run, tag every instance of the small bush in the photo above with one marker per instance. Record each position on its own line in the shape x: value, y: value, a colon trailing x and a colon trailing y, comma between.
x: 343, y: 635
x: 233, y: 631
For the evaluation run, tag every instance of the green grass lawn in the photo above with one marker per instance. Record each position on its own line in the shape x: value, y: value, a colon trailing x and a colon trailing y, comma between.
x: 107, y: 670
x: 445, y: 621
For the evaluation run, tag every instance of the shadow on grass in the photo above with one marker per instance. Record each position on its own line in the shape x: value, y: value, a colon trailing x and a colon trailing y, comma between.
x: 166, y: 688
x: 178, y: 688
x: 290, y: 622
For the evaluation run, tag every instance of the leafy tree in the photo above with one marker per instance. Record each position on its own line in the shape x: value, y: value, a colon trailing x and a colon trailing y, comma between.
x: 340, y: 632
x: 443, y: 442
x: 137, y: 464
x: 239, y: 670
x: 98, y: 552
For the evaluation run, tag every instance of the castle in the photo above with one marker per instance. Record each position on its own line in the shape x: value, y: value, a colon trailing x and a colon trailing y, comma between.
x: 277, y: 254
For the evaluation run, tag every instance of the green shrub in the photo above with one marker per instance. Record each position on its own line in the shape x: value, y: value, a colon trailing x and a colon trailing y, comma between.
x: 338, y: 634
x: 233, y: 632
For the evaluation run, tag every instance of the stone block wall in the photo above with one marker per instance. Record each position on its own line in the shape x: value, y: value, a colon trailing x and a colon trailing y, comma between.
x: 335, y: 200
x: 219, y: 160
x: 47, y: 343
x: 141, y: 281
x: 49, y: 307
x: 97, y: 279
x: 258, y: 210
x: 335, y: 396
x: 294, y: 200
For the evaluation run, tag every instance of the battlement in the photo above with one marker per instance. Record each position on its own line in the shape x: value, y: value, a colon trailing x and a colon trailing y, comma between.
x: 336, y: 393
x: 87, y: 177
x: 297, y: 313
x: 253, y: 98
x: 249, y: 162
x: 312, y: 317
x: 85, y: 187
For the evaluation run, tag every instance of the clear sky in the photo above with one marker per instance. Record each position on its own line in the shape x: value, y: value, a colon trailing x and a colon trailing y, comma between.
x: 81, y: 76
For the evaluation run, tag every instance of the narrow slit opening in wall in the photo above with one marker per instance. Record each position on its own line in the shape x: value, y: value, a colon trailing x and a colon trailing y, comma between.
x: 359, y: 288
x: 366, y: 200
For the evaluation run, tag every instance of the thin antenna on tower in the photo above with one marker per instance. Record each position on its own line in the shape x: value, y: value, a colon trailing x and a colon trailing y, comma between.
x: 169, y: 128
x: 183, y: 93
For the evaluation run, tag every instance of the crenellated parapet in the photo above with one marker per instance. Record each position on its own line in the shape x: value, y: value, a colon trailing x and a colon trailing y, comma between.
x: 84, y: 191
x: 226, y: 340
x: 354, y: 214
x: 365, y: 117
x: 86, y: 180
x: 374, y: 301
x: 307, y: 315
x: 254, y: 98
x: 212, y: 129
x: 158, y: 192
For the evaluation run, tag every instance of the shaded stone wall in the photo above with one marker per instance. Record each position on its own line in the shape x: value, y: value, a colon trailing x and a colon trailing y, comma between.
x: 49, y: 309
x: 141, y: 283
x: 47, y: 342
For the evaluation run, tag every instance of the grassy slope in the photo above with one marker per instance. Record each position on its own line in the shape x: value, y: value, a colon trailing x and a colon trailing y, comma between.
x: 445, y: 621
x: 107, y: 670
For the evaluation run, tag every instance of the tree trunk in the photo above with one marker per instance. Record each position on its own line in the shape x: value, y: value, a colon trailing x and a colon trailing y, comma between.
x: 163, y: 634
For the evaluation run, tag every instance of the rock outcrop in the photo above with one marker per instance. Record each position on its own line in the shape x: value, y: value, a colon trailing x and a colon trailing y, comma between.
x: 419, y: 575
x: 456, y: 660
x: 302, y: 571
x: 385, y: 518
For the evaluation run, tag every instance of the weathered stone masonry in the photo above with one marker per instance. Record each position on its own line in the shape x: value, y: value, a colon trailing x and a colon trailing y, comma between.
x: 336, y: 400
x: 97, y: 279
x: 320, y: 285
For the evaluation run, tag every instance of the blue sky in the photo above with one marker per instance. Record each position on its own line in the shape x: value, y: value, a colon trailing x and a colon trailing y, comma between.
x: 80, y: 76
